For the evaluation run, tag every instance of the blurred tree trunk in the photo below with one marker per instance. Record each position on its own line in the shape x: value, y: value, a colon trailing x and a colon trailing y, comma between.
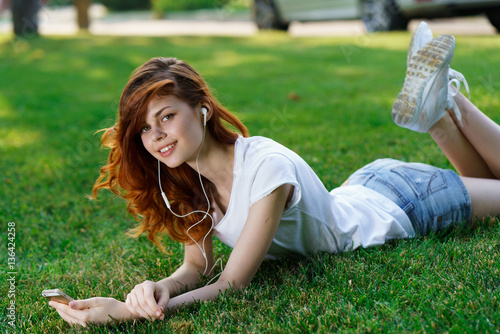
x: 25, y: 17
x: 83, y: 18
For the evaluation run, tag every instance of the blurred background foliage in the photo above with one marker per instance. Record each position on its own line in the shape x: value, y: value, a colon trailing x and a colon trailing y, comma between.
x: 25, y: 13
x: 163, y: 6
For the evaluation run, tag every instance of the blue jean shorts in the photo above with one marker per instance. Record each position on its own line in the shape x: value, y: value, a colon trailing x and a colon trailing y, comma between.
x: 433, y: 198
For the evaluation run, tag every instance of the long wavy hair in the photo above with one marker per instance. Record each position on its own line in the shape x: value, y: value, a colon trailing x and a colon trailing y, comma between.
x: 131, y: 171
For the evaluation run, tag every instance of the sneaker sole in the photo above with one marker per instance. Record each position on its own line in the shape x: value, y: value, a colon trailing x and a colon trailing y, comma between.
x: 422, y: 32
x: 420, y: 73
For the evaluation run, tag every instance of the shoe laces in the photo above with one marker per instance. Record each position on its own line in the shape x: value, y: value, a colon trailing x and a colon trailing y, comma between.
x: 455, y: 80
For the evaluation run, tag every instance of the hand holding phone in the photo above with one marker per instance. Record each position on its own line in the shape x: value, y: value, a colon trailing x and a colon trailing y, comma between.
x: 57, y: 295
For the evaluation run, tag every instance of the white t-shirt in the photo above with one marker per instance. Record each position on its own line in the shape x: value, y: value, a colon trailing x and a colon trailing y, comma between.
x: 315, y: 220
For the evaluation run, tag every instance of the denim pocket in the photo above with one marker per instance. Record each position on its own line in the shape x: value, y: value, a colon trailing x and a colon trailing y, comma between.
x: 423, y: 181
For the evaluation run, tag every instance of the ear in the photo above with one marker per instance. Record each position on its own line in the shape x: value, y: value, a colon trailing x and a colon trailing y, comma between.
x: 204, y: 112
x: 208, y: 114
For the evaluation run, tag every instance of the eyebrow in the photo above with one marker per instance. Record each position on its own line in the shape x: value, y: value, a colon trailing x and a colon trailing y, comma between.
x: 160, y: 111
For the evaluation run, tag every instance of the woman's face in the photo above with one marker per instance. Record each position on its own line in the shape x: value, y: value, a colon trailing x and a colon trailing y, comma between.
x: 173, y: 131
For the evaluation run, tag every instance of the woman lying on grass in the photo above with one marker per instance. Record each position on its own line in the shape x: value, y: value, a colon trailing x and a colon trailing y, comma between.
x: 187, y: 174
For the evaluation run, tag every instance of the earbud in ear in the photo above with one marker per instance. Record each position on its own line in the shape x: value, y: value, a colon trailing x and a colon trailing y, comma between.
x: 204, y: 111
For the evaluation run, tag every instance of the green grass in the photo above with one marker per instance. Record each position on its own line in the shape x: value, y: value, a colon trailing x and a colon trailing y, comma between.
x: 56, y: 92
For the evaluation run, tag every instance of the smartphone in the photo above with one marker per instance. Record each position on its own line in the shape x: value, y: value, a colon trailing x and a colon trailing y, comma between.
x: 57, y: 295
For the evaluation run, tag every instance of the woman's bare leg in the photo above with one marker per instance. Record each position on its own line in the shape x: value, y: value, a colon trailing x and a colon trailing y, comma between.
x: 474, y: 148
x: 426, y: 94
x: 481, y: 132
x: 484, y: 195
x: 457, y: 148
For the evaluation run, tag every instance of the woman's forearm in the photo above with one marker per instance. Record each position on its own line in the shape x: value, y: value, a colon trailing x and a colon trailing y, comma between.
x: 209, y: 292
x: 186, y: 277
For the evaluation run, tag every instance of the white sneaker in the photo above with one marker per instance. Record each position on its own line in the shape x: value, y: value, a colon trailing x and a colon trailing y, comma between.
x: 425, y: 94
x: 421, y: 36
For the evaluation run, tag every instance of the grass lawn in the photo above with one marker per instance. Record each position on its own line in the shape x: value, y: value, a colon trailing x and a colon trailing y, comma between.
x: 329, y: 99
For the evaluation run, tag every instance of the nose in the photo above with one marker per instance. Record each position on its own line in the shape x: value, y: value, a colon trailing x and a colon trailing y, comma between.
x: 158, y: 134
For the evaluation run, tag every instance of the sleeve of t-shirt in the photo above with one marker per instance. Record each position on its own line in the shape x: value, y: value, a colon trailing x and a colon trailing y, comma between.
x: 274, y: 171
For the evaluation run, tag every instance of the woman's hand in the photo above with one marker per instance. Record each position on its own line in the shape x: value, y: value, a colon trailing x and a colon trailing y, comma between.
x: 98, y: 310
x: 148, y: 300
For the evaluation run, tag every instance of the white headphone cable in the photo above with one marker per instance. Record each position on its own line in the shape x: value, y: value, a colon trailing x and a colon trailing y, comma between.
x: 202, y: 249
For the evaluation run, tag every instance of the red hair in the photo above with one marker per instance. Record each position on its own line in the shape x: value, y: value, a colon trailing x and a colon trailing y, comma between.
x: 131, y: 171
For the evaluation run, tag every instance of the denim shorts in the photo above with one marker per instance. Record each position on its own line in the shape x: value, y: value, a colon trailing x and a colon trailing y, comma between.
x: 433, y: 198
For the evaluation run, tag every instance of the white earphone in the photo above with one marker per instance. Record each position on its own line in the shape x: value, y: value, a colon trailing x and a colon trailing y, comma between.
x: 204, y: 111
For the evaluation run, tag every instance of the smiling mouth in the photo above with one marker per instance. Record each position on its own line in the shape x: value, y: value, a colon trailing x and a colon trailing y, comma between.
x: 167, y: 148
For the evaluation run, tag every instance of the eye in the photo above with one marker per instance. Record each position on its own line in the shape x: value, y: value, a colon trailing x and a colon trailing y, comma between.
x: 145, y: 129
x: 166, y: 118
